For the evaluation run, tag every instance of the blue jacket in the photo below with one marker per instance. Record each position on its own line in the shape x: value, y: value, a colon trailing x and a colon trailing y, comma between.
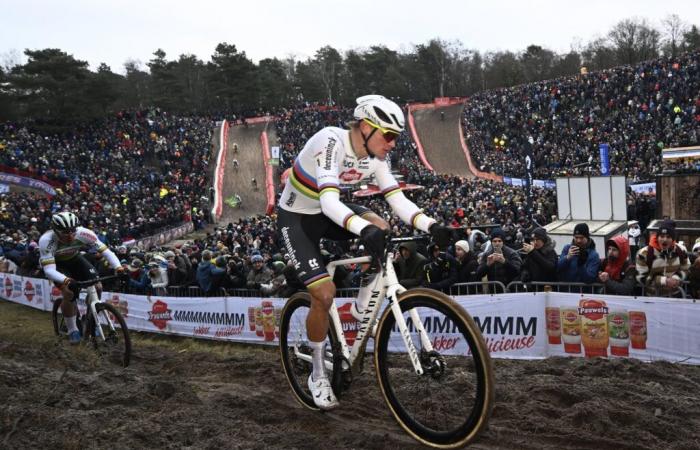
x: 206, y: 273
x: 577, y: 270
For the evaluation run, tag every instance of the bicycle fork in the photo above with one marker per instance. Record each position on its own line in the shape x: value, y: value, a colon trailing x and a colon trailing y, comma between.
x: 392, y: 292
x: 92, y: 300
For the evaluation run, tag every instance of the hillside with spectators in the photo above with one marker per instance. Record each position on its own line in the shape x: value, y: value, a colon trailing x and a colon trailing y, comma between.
x: 127, y: 176
x: 637, y: 109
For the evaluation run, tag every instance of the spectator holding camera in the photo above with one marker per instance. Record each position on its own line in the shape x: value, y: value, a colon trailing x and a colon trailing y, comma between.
x: 579, y: 261
x: 539, y: 258
x: 440, y: 270
x: 467, y: 264
x: 499, y: 263
x: 663, y: 264
x: 157, y: 271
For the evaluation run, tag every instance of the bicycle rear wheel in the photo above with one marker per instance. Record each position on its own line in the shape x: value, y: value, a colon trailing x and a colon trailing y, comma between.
x: 450, y: 403
x: 115, y: 343
x: 294, y: 347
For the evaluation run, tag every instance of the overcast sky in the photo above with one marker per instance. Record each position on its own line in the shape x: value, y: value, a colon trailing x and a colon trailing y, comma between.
x: 117, y: 30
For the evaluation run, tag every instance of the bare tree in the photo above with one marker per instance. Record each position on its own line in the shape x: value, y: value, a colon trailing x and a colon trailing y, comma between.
x: 634, y: 40
x: 674, y: 29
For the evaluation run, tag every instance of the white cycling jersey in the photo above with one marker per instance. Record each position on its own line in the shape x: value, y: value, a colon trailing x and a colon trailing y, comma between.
x: 327, y: 160
x: 51, y: 250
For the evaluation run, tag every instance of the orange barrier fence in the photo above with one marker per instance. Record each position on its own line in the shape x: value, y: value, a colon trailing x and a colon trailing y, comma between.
x: 472, y: 167
x: 269, y: 182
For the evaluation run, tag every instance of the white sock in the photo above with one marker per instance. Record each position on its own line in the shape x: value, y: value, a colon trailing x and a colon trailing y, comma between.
x: 318, y: 357
x: 70, y: 323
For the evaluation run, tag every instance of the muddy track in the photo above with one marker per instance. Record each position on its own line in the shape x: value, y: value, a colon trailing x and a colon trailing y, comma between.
x: 178, y: 393
x: 440, y: 139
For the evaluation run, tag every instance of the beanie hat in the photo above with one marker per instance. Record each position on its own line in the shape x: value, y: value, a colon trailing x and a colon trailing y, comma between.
x: 464, y: 245
x: 582, y: 229
x: 667, y: 227
x: 256, y: 258
x: 540, y: 233
x: 498, y: 233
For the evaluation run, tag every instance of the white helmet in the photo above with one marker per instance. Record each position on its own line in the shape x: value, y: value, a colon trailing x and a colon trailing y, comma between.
x: 380, y: 111
x: 64, y: 221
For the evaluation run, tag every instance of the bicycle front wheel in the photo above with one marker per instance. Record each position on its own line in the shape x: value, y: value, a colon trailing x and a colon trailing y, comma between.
x: 110, y: 336
x: 450, y: 403
x: 295, y: 349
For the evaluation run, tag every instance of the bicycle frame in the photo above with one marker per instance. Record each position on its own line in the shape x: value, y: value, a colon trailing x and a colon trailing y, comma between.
x: 385, y: 285
x: 91, y: 299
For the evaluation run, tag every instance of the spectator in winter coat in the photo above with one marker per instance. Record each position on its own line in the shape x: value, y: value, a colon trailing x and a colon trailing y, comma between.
x: 579, y: 261
x: 694, y: 271
x: 617, y: 273
x: 206, y: 273
x: 259, y: 273
x: 158, y: 273
x: 499, y: 263
x: 539, y: 258
x: 440, y: 270
x: 177, y: 268
x: 139, y: 283
x: 466, y: 262
x: 663, y: 264
x: 409, y: 265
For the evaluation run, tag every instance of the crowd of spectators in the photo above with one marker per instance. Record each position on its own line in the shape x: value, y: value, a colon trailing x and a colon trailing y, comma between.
x: 126, y: 177
x: 637, y: 110
x: 133, y: 173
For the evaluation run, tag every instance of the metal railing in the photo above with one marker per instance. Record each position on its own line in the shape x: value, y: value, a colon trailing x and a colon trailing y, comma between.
x: 640, y: 290
x: 473, y: 288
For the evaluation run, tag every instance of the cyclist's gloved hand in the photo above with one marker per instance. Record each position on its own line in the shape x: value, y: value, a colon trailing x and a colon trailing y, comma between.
x: 441, y: 234
x: 121, y: 272
x: 71, y: 284
x: 374, y: 239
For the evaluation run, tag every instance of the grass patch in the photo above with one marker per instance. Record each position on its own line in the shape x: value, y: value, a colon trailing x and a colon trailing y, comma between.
x: 33, y: 327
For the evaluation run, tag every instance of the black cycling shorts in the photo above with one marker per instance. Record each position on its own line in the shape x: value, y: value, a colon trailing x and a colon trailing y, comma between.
x: 301, y: 235
x: 77, y: 268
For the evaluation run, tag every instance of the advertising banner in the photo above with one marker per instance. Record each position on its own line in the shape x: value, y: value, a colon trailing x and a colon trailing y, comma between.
x: 19, y: 180
x: 33, y: 292
x: 604, y: 159
x: 519, y: 326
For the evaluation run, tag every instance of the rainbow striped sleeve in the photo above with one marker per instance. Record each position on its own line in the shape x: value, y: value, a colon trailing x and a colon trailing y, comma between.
x: 388, y: 192
x: 318, y: 279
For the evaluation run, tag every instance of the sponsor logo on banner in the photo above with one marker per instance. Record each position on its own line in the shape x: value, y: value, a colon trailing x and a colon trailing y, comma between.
x: 8, y: 286
x: 29, y: 291
x: 348, y: 322
x: 55, y: 294
x: 507, y: 333
x: 121, y: 305
x: 17, y: 287
x: 160, y: 314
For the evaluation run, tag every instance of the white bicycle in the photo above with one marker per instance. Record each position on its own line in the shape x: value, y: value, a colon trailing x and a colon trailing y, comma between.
x: 432, y: 364
x: 102, y: 326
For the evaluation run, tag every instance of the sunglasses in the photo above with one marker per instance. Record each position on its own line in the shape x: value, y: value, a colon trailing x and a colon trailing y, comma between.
x: 388, y: 135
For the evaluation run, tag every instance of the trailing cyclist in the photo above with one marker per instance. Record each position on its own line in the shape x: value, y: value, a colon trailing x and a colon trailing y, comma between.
x: 63, y: 263
x: 310, y: 209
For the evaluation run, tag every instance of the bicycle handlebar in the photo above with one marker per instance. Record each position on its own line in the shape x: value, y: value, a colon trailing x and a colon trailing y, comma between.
x: 87, y: 283
x: 417, y: 237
